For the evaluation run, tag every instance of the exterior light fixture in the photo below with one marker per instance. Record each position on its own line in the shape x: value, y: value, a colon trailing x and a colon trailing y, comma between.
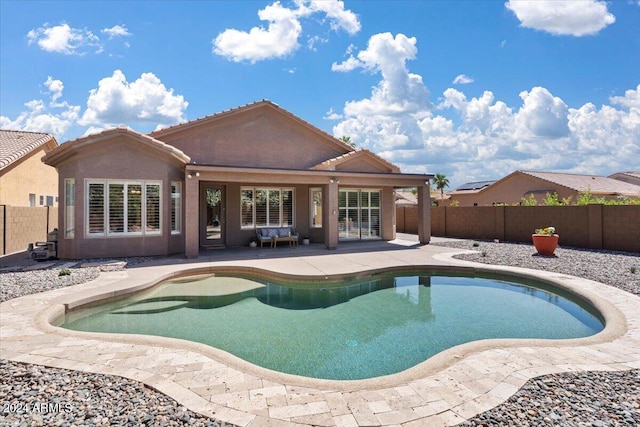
x: 334, y: 180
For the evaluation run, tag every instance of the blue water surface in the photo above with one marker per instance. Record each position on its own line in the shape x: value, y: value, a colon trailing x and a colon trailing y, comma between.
x: 363, y: 328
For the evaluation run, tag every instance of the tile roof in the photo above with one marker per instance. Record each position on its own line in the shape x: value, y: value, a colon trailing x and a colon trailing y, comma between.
x: 593, y: 183
x: 110, y: 133
x: 327, y: 164
x: 264, y: 102
x: 15, y: 144
x: 405, y: 198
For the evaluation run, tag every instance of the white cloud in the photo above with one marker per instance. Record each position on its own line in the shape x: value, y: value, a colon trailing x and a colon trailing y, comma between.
x: 55, y: 87
x: 114, y: 102
x: 631, y: 98
x: 543, y: 114
x: 340, y: 19
x: 55, y: 118
x: 64, y: 39
x: 73, y: 41
x: 568, y: 17
x: 478, y: 138
x: 145, y: 100
x: 281, y: 36
x: 390, y: 116
x: 116, y: 31
x: 462, y: 79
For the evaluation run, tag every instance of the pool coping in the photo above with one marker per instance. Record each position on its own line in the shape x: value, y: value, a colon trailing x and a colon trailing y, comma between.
x: 444, y: 390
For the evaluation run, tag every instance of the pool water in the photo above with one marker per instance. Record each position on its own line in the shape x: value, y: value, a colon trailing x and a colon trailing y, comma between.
x: 364, y: 328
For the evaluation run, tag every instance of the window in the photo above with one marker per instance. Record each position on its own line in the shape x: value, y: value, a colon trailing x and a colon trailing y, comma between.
x: 247, y: 203
x: 69, y: 207
x: 359, y: 214
x: 176, y: 207
x: 95, y: 209
x: 153, y: 209
x: 32, y: 199
x: 123, y: 208
x: 315, y: 208
x: 266, y: 207
x: 49, y: 200
x: 41, y: 200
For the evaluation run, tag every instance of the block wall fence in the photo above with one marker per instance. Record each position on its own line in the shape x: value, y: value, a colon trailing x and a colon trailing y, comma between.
x: 22, y: 225
x: 589, y: 227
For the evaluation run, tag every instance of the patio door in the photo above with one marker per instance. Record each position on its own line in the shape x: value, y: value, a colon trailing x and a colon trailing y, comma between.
x: 358, y: 214
x: 212, y: 215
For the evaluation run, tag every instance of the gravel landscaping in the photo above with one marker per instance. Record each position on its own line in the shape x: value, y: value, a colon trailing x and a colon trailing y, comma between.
x: 41, y: 396
x: 578, y: 399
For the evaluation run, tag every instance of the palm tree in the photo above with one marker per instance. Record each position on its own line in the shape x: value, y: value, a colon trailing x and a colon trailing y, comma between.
x: 441, y: 182
x: 347, y: 140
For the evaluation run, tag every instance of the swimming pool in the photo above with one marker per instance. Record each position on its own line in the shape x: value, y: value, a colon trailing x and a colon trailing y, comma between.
x: 367, y: 326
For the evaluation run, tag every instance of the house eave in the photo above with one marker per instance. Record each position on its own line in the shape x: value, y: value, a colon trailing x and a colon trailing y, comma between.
x: 305, y: 176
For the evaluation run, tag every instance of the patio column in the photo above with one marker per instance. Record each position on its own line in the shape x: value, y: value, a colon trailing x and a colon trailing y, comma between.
x: 331, y: 225
x: 191, y: 218
x: 424, y: 213
x: 388, y: 220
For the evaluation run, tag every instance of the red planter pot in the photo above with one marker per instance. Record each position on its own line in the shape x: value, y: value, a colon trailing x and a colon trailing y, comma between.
x: 545, y: 244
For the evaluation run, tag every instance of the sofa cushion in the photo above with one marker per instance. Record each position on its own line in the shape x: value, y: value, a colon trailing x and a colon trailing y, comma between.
x: 273, y: 232
x: 284, y: 232
x: 264, y: 232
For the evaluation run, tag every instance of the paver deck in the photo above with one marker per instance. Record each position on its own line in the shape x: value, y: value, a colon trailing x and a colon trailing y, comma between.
x: 444, y: 390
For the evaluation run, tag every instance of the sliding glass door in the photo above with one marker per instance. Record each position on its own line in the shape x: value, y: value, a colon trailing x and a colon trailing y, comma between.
x: 359, y: 214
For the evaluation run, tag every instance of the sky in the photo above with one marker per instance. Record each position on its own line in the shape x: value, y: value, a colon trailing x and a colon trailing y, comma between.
x: 473, y: 90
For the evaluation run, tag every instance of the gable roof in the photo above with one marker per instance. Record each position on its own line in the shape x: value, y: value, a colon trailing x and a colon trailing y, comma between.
x: 15, y: 144
x: 57, y: 155
x: 360, y: 153
x: 404, y: 198
x: 265, y: 103
x: 583, y: 183
x: 630, y: 177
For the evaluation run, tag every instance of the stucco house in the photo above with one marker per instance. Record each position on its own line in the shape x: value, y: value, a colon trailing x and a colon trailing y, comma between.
x: 512, y: 188
x: 214, y: 181
x: 24, y: 179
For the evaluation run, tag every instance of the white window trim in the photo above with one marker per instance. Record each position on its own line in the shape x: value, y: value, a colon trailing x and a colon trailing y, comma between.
x: 311, y: 210
x: 253, y: 226
x: 69, y: 232
x: 177, y: 209
x: 106, y: 204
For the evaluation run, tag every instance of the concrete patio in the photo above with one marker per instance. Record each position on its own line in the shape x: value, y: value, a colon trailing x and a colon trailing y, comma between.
x: 444, y: 390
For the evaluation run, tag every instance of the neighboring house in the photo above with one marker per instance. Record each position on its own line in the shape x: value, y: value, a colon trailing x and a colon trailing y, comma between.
x: 466, y: 193
x: 630, y: 177
x: 24, y: 179
x: 215, y: 181
x: 511, y: 189
x: 406, y: 199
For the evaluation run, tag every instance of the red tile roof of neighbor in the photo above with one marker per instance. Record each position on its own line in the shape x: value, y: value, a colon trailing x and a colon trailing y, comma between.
x: 15, y: 144
x: 592, y: 183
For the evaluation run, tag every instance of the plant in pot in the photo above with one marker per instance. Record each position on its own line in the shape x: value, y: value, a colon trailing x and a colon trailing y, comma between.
x: 545, y: 240
x: 253, y: 242
x: 305, y: 240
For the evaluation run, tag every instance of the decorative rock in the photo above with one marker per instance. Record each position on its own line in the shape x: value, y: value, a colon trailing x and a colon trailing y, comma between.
x: 570, y: 399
